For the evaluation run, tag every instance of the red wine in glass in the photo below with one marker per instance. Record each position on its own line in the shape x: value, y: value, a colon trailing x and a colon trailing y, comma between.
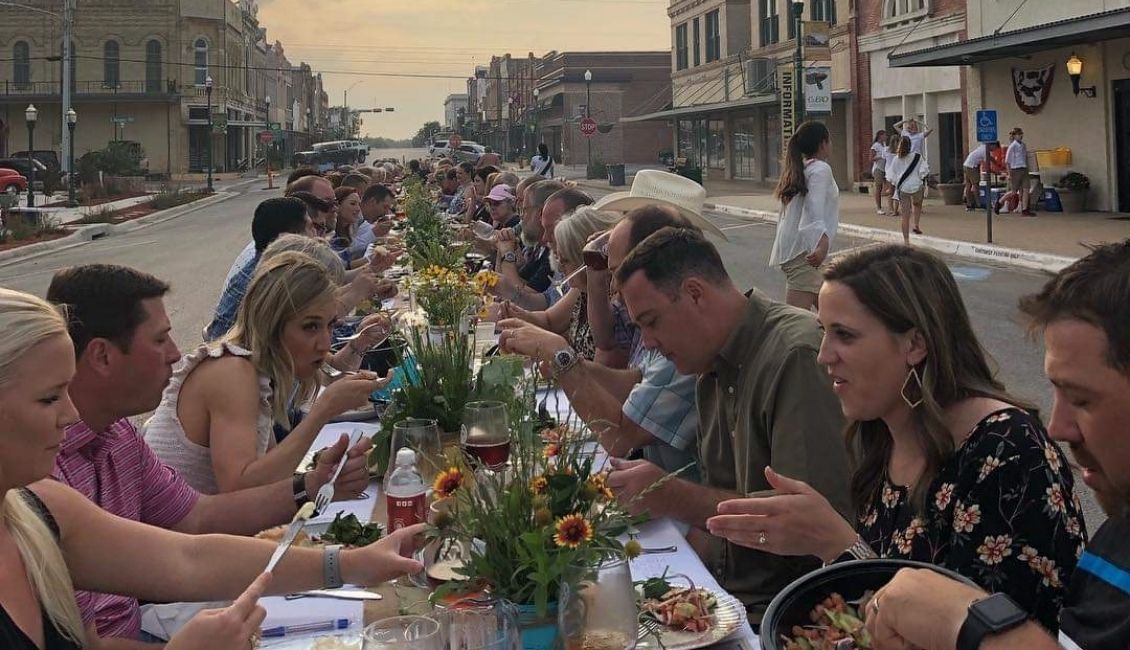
x: 492, y: 454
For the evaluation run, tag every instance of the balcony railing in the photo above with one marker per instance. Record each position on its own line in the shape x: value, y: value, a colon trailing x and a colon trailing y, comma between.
x: 160, y: 87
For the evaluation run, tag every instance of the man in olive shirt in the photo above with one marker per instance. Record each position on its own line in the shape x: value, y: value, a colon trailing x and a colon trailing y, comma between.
x: 762, y: 400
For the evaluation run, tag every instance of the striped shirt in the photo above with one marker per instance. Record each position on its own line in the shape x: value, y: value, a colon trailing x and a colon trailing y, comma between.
x: 117, y: 471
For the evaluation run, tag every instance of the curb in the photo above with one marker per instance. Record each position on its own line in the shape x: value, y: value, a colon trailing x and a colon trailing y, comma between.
x: 967, y: 250
x: 87, y: 233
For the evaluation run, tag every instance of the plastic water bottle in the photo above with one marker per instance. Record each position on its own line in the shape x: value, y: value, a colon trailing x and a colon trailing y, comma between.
x: 405, y: 492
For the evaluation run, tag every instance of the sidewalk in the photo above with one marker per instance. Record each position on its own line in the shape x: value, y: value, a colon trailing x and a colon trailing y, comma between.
x: 1048, y: 241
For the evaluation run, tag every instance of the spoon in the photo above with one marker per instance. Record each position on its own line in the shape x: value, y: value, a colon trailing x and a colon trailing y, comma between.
x: 565, y: 280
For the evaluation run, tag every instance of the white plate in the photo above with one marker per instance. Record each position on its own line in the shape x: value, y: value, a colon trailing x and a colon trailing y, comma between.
x: 728, y: 617
x: 349, y: 640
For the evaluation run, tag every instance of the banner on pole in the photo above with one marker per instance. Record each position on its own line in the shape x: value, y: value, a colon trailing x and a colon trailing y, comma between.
x: 817, y: 38
x: 818, y: 89
x: 786, y: 86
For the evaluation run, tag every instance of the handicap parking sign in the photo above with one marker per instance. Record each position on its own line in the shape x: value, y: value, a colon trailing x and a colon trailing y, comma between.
x: 986, y: 126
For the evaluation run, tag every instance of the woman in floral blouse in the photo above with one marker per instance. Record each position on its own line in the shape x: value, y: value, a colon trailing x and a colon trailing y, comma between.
x: 950, y: 469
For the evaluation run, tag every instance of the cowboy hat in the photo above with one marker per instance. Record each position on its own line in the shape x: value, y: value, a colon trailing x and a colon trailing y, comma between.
x: 655, y: 187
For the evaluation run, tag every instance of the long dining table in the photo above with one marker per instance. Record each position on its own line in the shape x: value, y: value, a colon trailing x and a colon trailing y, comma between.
x: 659, y: 533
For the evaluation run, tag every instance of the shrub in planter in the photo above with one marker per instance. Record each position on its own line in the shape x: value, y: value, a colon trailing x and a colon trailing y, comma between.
x: 952, y: 191
x: 1074, y: 182
x: 1073, y: 191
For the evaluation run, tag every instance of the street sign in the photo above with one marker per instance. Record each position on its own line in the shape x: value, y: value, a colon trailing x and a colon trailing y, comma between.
x: 787, y: 89
x: 455, y: 141
x: 986, y: 126
x: 276, y: 126
x: 265, y: 137
x: 588, y: 127
x: 122, y: 119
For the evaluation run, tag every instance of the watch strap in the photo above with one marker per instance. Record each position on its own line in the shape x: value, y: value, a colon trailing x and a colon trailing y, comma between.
x: 331, y: 567
x: 299, y: 486
x: 979, y: 625
x: 559, y: 367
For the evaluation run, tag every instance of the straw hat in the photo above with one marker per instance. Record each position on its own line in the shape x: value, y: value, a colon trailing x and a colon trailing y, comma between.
x: 655, y: 187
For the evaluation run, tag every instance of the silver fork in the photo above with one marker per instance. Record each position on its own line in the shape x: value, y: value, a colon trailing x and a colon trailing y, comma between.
x: 649, y: 627
x: 326, y: 492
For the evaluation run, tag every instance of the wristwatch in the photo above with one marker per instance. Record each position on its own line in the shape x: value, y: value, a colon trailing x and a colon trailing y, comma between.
x: 510, y: 257
x: 564, y: 360
x: 990, y: 615
x: 299, y: 485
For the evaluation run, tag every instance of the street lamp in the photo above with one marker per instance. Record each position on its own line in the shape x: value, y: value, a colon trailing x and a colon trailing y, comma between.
x: 208, y: 94
x: 798, y: 64
x: 588, y: 114
x: 537, y: 134
x: 31, y: 114
x: 72, y: 119
x: 267, y: 147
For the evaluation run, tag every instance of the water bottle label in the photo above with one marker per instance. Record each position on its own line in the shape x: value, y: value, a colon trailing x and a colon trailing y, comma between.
x: 404, y: 511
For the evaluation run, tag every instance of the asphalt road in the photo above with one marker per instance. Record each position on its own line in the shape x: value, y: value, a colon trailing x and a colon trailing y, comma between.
x: 194, y: 252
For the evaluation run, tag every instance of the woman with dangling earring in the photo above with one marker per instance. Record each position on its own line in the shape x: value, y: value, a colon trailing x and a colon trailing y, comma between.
x: 950, y: 469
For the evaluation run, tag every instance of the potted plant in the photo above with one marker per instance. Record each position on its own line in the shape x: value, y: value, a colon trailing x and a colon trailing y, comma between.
x: 1072, y: 189
x: 952, y: 191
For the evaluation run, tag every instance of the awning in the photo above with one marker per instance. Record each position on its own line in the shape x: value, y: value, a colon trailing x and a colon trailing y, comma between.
x: 1039, y: 38
x: 698, y: 109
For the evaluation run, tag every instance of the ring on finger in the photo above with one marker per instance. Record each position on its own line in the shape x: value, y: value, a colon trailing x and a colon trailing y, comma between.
x: 762, y: 538
x: 253, y: 640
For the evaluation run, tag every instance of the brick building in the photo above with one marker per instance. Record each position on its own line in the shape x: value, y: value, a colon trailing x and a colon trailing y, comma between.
x: 886, y: 95
x: 138, y: 75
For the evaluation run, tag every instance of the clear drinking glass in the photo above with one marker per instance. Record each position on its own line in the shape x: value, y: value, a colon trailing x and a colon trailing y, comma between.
x: 479, y: 622
x: 403, y: 633
x: 485, y: 435
x: 597, y: 606
x: 421, y: 436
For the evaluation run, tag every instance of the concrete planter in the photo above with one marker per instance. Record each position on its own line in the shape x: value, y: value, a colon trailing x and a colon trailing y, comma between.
x: 1072, y: 200
x: 951, y: 193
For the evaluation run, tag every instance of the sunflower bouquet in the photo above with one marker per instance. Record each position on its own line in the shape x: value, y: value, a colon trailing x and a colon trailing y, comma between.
x: 523, y: 527
x: 446, y: 296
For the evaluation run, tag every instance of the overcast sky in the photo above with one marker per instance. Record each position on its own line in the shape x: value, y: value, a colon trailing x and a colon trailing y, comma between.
x: 355, y: 41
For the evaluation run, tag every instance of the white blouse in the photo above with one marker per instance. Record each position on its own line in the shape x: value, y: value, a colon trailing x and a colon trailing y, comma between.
x: 803, y: 220
x: 898, y: 167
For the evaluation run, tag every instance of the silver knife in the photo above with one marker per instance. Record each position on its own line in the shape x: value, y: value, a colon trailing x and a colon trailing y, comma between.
x: 292, y: 531
x: 340, y: 594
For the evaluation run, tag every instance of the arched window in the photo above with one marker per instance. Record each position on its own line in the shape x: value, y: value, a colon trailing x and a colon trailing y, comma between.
x: 153, y: 70
x: 898, y: 11
x: 21, y: 64
x: 201, y: 60
x: 111, y: 64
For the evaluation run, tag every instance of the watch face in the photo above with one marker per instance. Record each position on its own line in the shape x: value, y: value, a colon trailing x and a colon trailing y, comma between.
x: 998, y: 611
x: 562, y: 358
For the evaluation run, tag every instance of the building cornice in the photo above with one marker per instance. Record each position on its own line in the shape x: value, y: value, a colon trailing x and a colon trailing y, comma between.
x: 927, y: 28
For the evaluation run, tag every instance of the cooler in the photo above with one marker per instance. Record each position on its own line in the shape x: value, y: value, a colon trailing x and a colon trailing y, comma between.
x: 1051, y: 200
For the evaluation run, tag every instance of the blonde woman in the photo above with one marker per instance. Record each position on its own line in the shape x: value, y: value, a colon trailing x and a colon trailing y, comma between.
x: 52, y: 539
x: 569, y: 316
x: 216, y: 419
x: 906, y: 173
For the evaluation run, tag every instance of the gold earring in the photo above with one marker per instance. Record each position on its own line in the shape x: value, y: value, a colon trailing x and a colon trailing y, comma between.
x: 913, y: 404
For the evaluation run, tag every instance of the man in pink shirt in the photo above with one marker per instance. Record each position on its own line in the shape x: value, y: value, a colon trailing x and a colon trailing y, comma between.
x: 125, y: 357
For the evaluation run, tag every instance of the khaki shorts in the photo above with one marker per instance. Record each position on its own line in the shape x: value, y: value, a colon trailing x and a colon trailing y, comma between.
x: 915, y: 198
x: 802, y: 276
x: 1018, y: 179
x: 880, y: 182
x: 971, y: 175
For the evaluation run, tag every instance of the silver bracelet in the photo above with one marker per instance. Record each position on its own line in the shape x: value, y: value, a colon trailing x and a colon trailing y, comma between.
x: 860, y: 550
x: 331, y: 567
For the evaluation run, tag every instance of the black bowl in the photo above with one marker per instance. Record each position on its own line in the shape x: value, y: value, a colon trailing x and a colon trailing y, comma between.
x: 795, y: 602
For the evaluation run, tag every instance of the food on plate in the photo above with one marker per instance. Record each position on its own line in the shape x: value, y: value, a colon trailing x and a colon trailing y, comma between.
x: 347, y: 530
x: 836, y: 625
x: 305, y: 512
x: 598, y: 640
x: 301, y: 540
x: 330, y: 643
x: 689, y: 609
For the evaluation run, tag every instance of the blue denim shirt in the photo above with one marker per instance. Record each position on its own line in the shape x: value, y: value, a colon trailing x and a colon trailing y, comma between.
x: 230, y: 299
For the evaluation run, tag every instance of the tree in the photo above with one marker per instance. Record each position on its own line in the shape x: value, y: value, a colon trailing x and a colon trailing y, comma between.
x: 424, y: 136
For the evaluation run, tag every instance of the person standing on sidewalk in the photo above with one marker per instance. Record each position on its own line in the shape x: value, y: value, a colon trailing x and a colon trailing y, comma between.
x: 906, y: 173
x: 1017, y: 160
x: 878, y: 168
x: 805, y: 227
x: 971, y: 173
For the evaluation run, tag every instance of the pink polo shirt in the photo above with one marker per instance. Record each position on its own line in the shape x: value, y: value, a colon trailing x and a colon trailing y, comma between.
x: 116, y: 470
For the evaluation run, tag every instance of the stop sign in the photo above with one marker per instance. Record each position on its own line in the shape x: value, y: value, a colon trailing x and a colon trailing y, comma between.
x: 588, y: 127
x: 454, y: 141
x: 266, y: 137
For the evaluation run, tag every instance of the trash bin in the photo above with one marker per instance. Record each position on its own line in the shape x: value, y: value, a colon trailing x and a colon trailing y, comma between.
x: 693, y: 173
x: 616, y: 175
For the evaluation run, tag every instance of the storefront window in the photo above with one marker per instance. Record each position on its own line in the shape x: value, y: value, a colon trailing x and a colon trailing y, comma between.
x: 742, y: 146
x: 693, y: 142
x: 773, y: 144
x: 716, y: 144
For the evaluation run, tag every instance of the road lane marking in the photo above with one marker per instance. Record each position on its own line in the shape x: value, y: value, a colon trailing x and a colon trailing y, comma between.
x: 744, y: 225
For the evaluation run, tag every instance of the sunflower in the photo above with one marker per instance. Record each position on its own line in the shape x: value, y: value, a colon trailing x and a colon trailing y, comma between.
x: 447, y: 482
x: 599, y: 483
x: 572, y: 531
x: 539, y: 484
x: 551, y: 450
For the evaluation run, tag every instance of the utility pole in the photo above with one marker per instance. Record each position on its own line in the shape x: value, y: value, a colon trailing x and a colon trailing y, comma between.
x: 798, y: 64
x: 68, y: 36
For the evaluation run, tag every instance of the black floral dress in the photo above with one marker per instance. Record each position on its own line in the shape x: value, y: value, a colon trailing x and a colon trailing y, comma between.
x: 1001, y: 512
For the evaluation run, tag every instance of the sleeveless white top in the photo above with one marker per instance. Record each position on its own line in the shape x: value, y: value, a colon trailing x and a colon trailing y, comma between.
x: 165, y: 434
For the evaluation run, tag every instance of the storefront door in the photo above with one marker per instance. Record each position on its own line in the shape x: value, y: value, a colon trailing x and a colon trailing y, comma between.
x: 1122, y: 141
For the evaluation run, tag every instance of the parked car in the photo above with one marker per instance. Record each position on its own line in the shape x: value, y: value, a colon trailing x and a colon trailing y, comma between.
x: 23, y: 167
x: 360, y: 149
x: 469, y: 152
x: 12, y: 182
x: 438, y: 148
x: 48, y: 157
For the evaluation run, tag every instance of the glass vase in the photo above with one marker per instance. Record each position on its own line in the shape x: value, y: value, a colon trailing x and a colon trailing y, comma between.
x: 597, y: 606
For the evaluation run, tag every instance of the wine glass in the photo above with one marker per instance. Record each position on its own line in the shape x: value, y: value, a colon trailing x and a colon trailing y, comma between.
x: 485, y: 435
x: 421, y: 436
x: 597, y: 606
x: 403, y: 633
